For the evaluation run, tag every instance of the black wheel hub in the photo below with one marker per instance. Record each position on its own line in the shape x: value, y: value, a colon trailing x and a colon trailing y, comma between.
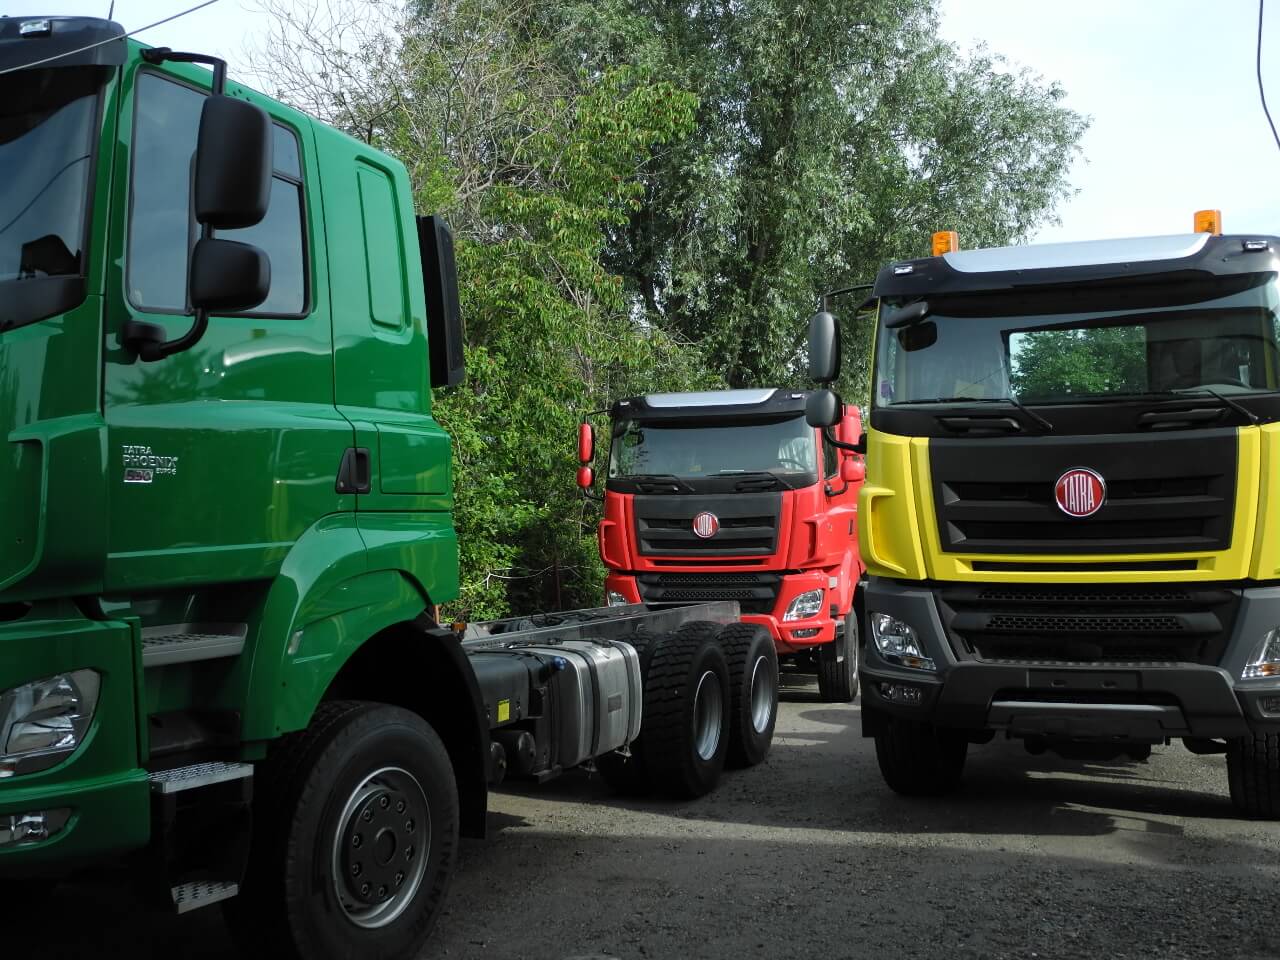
x: 379, y: 846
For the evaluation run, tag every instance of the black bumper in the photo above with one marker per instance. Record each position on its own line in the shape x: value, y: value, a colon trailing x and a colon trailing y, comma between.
x: 1143, y: 702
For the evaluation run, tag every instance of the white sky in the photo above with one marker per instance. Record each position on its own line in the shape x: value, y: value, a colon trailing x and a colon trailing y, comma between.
x: 1170, y: 86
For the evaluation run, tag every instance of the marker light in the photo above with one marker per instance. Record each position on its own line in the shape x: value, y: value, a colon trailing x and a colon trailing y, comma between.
x: 1209, y: 221
x: 945, y: 241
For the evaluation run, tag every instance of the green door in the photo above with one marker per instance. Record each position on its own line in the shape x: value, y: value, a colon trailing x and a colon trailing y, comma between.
x: 219, y: 457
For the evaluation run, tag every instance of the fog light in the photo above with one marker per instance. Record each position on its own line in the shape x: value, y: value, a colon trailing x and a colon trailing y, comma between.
x: 808, y: 604
x: 1265, y: 661
x: 1269, y: 704
x: 901, y: 693
x: 20, y: 828
x: 616, y: 599
x: 896, y: 641
x: 45, y: 721
x: 806, y: 633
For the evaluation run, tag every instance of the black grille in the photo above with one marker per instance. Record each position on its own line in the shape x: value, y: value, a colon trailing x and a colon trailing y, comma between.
x: 748, y: 525
x: 755, y: 592
x: 1164, y: 493
x: 1074, y: 624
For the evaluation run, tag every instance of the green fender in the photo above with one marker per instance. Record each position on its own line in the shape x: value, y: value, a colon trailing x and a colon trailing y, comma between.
x: 348, y: 578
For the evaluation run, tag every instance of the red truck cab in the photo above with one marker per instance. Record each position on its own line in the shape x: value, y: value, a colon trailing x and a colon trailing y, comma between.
x: 731, y: 495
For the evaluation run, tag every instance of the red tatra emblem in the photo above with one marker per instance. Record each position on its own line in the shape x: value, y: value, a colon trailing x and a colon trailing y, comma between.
x: 1080, y: 492
x: 706, y: 525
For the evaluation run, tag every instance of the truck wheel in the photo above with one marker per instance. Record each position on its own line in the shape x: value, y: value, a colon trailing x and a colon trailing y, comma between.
x: 1253, y: 771
x: 685, y: 731
x: 628, y: 775
x: 355, y: 835
x: 919, y: 760
x: 838, y: 665
x: 753, y: 691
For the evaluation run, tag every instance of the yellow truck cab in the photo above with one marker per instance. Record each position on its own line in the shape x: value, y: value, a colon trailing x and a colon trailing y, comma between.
x: 1069, y: 519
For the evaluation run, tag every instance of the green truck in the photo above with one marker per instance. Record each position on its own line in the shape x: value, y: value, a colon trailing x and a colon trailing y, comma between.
x: 228, y: 524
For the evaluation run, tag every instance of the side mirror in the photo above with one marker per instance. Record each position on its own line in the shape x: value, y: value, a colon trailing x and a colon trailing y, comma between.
x: 850, y: 428
x: 586, y: 478
x: 228, y: 276
x: 586, y: 443
x: 233, y: 164
x: 852, y: 471
x: 822, y: 409
x: 824, y: 347
x: 444, y: 312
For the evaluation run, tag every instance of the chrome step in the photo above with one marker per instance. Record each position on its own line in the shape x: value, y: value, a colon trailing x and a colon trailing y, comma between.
x: 201, y: 893
x: 188, y: 642
x: 197, y: 775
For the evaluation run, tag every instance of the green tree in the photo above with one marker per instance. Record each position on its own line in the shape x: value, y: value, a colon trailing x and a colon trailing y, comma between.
x: 831, y: 137
x: 1054, y: 364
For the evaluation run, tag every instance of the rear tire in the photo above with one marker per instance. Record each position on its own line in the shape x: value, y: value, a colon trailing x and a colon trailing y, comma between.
x: 838, y: 664
x: 684, y: 737
x: 918, y: 760
x: 753, y: 687
x: 1253, y: 772
x: 323, y: 886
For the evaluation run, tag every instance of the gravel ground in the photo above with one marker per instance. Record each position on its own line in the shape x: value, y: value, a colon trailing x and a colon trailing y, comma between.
x: 809, y: 855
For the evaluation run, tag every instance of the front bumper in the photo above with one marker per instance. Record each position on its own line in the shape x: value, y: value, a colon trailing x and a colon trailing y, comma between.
x: 790, y: 636
x: 1143, y: 702
x: 102, y: 783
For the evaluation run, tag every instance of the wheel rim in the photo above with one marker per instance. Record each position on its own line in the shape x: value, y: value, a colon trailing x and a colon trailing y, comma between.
x: 381, y: 847
x: 761, y: 695
x: 708, y: 715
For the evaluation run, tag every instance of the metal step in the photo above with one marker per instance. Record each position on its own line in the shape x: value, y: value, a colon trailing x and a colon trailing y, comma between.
x: 197, y: 775
x: 201, y: 893
x: 187, y: 642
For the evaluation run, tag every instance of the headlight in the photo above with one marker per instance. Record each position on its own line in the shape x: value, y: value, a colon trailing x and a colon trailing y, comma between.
x: 616, y: 599
x: 897, y: 642
x: 1265, y: 661
x: 808, y: 604
x: 45, y: 721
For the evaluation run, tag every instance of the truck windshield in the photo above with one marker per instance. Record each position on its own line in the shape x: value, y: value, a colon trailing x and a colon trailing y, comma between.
x: 47, y: 136
x: 1219, y: 336
x: 647, y: 448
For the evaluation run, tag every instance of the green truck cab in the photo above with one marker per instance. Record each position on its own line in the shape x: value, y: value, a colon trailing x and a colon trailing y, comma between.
x: 228, y: 515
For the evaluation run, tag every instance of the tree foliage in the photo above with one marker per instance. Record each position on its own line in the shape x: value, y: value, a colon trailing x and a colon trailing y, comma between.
x: 650, y: 195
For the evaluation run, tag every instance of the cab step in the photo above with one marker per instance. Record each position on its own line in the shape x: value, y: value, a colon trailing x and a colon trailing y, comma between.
x: 189, y: 642
x: 197, y: 775
x: 195, y: 894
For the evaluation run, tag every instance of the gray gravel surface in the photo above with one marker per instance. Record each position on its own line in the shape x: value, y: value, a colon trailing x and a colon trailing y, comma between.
x: 809, y: 855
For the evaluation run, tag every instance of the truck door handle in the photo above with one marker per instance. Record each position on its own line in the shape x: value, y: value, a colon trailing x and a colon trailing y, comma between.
x: 354, y: 474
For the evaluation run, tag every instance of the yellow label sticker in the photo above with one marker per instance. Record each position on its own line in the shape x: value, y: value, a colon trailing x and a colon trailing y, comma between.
x: 504, y: 711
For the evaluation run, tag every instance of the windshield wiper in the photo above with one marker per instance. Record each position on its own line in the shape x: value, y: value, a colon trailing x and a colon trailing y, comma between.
x: 1225, y: 401
x: 1012, y: 401
x: 663, y: 478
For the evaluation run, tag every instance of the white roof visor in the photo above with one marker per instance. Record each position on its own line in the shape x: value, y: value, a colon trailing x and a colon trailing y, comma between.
x: 1045, y: 256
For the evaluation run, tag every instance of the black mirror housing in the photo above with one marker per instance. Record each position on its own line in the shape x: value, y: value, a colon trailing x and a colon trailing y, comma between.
x: 228, y: 276
x: 444, y: 312
x: 824, y: 347
x: 822, y: 409
x: 233, y: 164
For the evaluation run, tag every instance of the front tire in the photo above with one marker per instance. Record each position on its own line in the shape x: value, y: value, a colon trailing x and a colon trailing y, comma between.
x: 918, y: 760
x: 355, y: 837
x: 838, y: 664
x: 1253, y: 772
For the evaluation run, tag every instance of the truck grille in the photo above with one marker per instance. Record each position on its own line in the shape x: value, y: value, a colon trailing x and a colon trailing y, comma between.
x: 1073, y: 624
x: 748, y: 525
x: 1164, y: 493
x: 755, y: 592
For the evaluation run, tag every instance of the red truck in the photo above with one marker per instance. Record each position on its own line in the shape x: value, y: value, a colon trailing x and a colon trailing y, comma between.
x: 730, y: 495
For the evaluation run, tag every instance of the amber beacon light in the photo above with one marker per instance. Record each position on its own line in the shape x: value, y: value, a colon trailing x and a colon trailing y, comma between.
x: 945, y: 241
x: 1206, y: 221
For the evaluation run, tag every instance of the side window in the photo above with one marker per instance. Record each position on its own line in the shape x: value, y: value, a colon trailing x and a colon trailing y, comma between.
x: 830, y: 459
x: 161, y: 230
x: 383, y: 252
